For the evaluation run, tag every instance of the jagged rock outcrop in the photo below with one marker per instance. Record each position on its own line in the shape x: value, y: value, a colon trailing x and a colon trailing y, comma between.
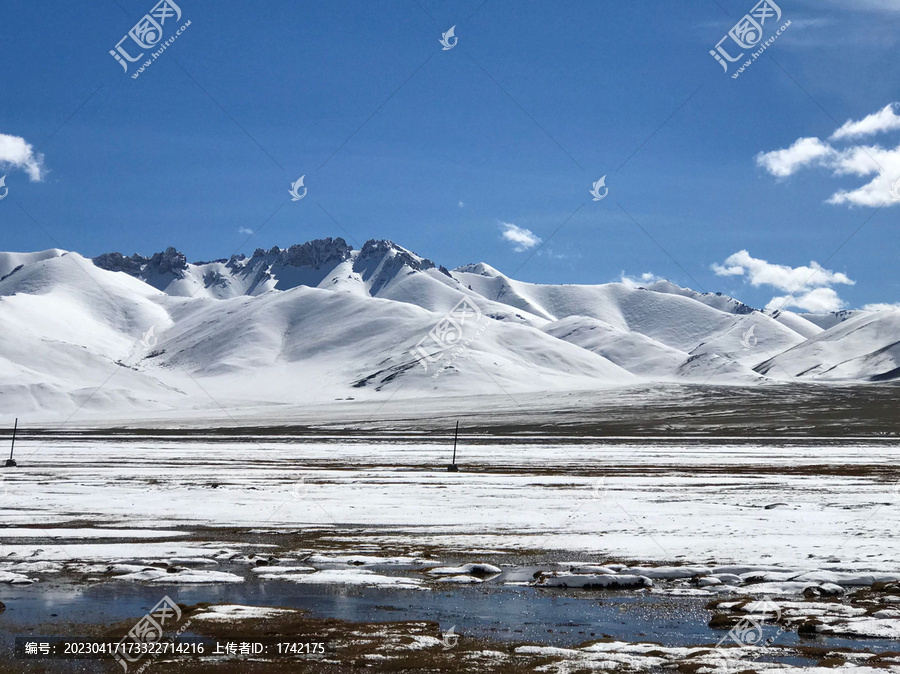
x: 376, y: 250
x: 169, y: 261
x: 118, y: 262
x: 314, y: 254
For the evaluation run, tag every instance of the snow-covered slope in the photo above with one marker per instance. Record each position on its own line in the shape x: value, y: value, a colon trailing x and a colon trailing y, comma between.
x: 631, y: 350
x: 65, y: 329
x: 866, y: 346
x: 320, y: 321
x: 832, y: 318
x: 659, y: 332
x: 802, y: 324
x: 13, y: 262
x: 293, y: 346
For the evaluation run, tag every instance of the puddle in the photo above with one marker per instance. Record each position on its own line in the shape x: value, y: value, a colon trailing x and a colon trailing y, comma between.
x: 546, y: 616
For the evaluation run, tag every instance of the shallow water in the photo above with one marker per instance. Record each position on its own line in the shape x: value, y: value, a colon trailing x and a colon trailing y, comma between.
x: 546, y: 616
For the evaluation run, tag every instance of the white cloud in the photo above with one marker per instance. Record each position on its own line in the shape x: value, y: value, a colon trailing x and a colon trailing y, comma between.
x: 553, y: 255
x: 244, y: 230
x: 879, y: 122
x: 881, y: 307
x: 641, y: 281
x: 818, y: 301
x: 883, y: 164
x: 760, y: 272
x: 864, y: 161
x: 522, y: 239
x: 803, y: 152
x: 15, y: 152
x: 809, y: 287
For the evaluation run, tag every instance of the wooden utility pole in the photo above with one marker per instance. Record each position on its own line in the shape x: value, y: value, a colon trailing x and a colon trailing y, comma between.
x: 453, y: 468
x: 10, y: 462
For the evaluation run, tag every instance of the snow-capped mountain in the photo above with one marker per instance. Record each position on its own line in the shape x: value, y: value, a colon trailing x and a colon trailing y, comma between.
x: 321, y: 321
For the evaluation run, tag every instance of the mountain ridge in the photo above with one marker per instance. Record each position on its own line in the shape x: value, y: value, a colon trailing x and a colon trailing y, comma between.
x: 323, y: 321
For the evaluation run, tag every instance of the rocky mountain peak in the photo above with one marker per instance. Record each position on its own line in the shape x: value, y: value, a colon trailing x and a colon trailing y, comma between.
x: 315, y: 254
x: 375, y: 249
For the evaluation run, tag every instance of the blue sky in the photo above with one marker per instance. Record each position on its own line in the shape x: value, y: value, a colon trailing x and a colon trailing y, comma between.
x: 437, y: 149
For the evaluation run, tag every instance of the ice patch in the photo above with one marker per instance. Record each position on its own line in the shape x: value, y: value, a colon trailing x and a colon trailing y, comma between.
x: 155, y: 575
x: 354, y: 577
x: 14, y: 578
x: 23, y: 532
x: 465, y: 579
x: 480, y: 570
x: 34, y: 567
x: 229, y: 612
x: 848, y: 579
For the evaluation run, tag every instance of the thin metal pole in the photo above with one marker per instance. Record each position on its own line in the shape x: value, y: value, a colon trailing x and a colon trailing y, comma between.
x: 455, y: 438
x: 13, y: 446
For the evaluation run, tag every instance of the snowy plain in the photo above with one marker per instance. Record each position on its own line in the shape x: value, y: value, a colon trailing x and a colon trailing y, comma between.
x: 809, y: 505
x: 673, y: 518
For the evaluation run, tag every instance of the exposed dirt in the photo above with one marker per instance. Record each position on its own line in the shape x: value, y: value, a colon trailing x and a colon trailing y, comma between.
x: 789, y: 410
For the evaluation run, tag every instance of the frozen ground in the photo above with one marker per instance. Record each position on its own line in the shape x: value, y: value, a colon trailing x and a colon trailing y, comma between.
x: 343, y: 518
x: 812, y: 504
